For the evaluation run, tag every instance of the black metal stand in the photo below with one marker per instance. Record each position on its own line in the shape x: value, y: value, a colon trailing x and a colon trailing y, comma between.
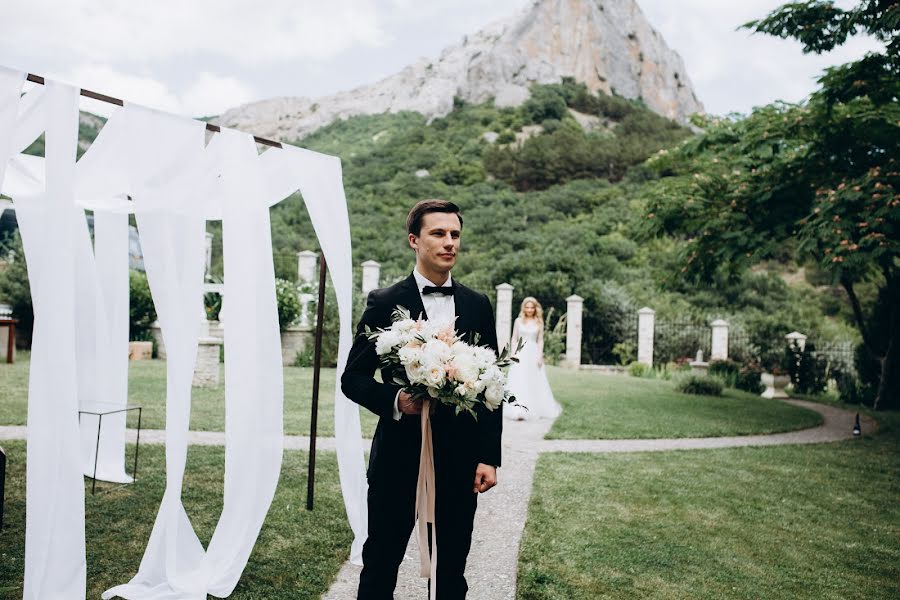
x: 100, y: 415
x: 317, y: 367
x: 2, y: 484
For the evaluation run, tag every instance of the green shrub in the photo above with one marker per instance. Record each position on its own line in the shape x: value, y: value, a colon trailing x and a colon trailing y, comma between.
x: 748, y: 379
x: 700, y: 385
x: 639, y: 369
x: 14, y: 287
x: 725, y: 370
x: 142, y: 312
x: 288, y: 303
x: 554, y: 337
x: 807, y: 370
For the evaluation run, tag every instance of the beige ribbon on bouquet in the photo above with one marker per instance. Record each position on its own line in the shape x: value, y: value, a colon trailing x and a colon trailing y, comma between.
x: 425, y: 495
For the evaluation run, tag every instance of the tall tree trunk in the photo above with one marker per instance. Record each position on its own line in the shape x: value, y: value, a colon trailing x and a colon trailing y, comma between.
x: 889, y: 382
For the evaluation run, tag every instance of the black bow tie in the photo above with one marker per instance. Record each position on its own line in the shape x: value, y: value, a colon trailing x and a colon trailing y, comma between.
x: 429, y: 289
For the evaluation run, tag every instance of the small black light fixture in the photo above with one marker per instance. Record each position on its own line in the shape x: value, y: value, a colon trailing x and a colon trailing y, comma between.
x: 857, y: 430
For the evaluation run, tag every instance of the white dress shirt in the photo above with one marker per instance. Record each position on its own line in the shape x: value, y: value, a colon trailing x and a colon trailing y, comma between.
x: 437, y: 307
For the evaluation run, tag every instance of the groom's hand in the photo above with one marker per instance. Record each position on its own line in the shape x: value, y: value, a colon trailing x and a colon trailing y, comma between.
x: 409, y: 404
x: 485, y: 478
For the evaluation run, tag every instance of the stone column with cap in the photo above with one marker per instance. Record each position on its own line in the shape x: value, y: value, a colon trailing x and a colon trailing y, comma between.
x: 795, y: 338
x: 504, y: 314
x: 371, y: 273
x: 307, y: 263
x: 574, y: 310
x: 646, y: 322
x: 719, y: 349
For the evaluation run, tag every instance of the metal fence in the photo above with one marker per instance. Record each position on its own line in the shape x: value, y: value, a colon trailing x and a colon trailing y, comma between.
x: 675, y: 341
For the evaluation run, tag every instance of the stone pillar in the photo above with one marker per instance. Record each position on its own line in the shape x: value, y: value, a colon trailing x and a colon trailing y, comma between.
x: 504, y: 314
x: 206, y: 371
x: 209, y: 241
x: 371, y: 272
x: 719, y: 349
x: 574, y: 308
x: 795, y: 337
x: 307, y: 266
x: 646, y: 320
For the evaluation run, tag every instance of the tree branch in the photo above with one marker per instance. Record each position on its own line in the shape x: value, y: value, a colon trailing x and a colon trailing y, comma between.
x: 858, y: 315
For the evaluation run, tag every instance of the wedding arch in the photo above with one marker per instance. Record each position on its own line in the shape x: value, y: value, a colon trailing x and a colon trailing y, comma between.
x: 173, y: 175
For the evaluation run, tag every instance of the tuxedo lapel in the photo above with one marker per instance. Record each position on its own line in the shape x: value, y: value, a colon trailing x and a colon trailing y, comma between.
x: 411, y: 299
x: 465, y: 323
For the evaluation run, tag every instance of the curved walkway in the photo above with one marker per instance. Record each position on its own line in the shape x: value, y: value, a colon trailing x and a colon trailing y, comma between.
x: 501, y: 515
x: 837, y: 425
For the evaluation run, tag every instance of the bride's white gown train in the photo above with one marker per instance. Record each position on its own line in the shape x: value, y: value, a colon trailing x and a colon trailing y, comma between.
x: 528, y: 379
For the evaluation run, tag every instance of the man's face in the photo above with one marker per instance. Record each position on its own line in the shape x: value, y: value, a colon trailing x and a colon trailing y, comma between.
x: 437, y: 244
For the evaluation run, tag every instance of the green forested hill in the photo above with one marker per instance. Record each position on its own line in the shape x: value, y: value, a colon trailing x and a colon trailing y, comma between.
x: 559, y: 213
x: 551, y: 206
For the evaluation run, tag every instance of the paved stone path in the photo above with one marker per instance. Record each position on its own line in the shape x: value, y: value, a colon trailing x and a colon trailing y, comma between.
x: 501, y: 515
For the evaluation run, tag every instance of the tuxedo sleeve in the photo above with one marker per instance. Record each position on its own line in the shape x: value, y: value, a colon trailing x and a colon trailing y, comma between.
x: 358, y: 381
x: 490, y: 423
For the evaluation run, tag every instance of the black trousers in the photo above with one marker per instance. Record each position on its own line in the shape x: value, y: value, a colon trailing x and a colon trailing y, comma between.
x: 391, y: 503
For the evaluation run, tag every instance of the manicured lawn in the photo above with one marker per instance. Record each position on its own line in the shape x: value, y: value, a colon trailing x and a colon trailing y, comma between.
x: 600, y: 406
x: 819, y: 522
x: 147, y: 387
x: 297, y: 555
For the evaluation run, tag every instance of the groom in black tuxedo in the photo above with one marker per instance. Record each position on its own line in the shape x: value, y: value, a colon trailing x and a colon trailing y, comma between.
x: 466, y: 451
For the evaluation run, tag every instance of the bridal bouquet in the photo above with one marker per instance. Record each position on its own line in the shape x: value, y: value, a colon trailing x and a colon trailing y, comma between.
x: 429, y: 357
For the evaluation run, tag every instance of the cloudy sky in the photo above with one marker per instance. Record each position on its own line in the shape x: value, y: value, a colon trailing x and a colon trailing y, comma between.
x: 200, y: 57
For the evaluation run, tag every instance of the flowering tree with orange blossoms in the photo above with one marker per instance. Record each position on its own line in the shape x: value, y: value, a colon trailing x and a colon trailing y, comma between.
x: 820, y: 178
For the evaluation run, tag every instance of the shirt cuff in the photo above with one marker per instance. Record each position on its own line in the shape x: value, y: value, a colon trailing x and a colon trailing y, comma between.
x: 396, y: 410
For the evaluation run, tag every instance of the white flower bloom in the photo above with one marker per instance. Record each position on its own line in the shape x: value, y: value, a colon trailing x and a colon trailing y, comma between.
x: 493, y: 396
x: 386, y: 341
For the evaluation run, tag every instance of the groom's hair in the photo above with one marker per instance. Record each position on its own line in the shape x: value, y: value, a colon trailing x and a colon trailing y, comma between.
x: 423, y: 207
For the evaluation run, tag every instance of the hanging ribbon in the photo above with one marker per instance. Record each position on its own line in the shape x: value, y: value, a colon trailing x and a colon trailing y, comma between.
x: 425, y: 495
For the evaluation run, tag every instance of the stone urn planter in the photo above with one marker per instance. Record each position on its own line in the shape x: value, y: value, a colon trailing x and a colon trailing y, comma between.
x: 775, y: 385
x: 294, y: 340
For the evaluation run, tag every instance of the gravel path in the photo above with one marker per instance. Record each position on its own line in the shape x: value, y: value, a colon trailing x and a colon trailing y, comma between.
x: 499, y: 522
x: 501, y: 514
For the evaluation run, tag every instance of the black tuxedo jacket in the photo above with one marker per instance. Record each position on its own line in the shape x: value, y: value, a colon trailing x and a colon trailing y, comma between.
x: 460, y: 441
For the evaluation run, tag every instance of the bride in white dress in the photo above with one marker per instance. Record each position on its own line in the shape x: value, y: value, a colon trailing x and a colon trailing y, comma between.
x: 527, y: 378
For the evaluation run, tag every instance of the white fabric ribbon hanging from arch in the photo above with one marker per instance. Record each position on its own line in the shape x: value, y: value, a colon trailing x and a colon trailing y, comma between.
x: 175, y: 565
x: 55, y: 564
x: 319, y: 179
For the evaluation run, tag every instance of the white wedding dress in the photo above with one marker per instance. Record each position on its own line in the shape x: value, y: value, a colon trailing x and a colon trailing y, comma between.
x: 528, y: 379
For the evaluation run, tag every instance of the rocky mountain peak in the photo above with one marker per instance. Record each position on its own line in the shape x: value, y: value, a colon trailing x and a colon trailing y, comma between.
x: 606, y: 44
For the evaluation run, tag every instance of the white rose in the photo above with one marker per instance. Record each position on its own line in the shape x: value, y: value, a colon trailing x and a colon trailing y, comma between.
x: 410, y: 355
x: 493, y: 396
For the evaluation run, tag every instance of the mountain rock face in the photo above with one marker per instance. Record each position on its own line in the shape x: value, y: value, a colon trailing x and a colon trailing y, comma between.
x: 606, y: 44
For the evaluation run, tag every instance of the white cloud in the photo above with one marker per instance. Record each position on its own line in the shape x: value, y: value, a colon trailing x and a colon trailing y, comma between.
x: 209, y: 94
x: 249, y: 33
x: 733, y: 70
x: 212, y: 95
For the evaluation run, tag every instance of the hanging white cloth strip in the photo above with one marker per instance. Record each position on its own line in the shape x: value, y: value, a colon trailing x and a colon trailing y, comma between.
x: 177, y: 182
x: 10, y: 91
x: 319, y: 179
x: 173, y: 245
x: 102, y: 316
x: 54, y: 525
x: 175, y: 565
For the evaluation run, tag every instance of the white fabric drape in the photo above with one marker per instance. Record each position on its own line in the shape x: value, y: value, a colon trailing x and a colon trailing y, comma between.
x: 319, y: 179
x: 175, y: 565
x: 10, y: 90
x: 102, y: 341
x: 177, y: 183
x: 54, y: 527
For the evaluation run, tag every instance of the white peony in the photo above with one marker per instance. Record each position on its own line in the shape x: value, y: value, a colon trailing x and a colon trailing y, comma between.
x: 386, y: 342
